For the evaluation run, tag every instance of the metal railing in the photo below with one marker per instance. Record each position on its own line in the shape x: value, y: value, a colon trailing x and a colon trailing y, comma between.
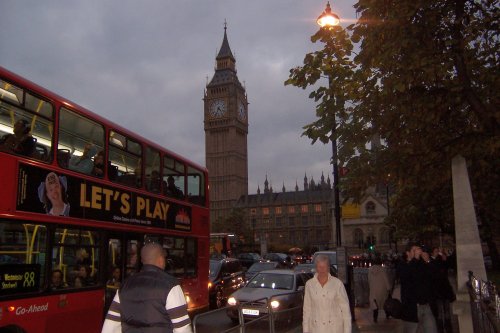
x: 485, y: 305
x: 269, y: 315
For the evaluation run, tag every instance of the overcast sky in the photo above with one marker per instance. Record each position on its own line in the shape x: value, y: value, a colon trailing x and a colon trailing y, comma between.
x: 144, y: 65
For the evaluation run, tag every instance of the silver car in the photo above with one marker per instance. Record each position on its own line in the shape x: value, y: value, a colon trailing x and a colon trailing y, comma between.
x: 283, y: 287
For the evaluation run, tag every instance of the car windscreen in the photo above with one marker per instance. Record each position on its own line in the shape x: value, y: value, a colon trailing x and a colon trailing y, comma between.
x: 214, y: 268
x: 260, y: 266
x: 272, y: 281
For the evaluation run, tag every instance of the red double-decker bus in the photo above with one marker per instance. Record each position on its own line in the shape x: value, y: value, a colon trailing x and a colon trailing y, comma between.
x: 79, y: 198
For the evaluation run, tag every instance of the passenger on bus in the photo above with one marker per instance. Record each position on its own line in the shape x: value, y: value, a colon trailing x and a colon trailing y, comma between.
x: 56, y: 280
x: 52, y: 194
x: 155, y: 181
x: 84, y: 163
x: 82, y: 257
x: 173, y: 190
x: 98, y: 169
x: 21, y: 142
x: 84, y: 273
x: 77, y: 282
x: 115, y: 281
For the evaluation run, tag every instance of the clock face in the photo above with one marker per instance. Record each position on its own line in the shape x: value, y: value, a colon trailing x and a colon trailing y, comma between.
x: 218, y: 108
x: 242, y: 114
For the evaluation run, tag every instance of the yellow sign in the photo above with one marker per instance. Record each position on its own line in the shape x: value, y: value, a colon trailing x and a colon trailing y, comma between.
x: 351, y: 211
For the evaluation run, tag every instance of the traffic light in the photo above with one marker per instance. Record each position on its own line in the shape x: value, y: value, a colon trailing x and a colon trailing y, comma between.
x: 370, y: 242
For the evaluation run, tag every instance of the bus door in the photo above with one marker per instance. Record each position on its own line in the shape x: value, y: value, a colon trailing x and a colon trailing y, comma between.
x: 122, y: 261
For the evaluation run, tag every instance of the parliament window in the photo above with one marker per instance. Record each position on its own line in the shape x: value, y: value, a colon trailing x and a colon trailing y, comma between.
x: 317, y: 208
x: 304, y: 208
x: 305, y: 221
x: 265, y: 211
x: 277, y: 210
x: 370, y: 207
x: 291, y: 209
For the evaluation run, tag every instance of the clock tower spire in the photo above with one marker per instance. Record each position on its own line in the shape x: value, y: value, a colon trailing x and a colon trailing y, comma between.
x: 226, y: 131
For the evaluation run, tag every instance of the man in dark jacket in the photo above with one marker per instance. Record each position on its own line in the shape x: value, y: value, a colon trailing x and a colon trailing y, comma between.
x: 443, y: 290
x: 150, y: 301
x: 416, y: 292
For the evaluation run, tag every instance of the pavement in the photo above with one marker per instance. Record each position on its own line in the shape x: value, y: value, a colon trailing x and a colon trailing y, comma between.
x: 364, y: 323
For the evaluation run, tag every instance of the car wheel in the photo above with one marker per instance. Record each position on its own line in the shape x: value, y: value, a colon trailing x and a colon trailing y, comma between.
x: 219, y: 299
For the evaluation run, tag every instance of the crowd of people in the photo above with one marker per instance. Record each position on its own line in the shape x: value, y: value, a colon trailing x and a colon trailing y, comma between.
x: 422, y: 285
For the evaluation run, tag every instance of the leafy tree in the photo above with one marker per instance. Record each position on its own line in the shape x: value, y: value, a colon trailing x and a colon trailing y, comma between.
x: 425, y: 82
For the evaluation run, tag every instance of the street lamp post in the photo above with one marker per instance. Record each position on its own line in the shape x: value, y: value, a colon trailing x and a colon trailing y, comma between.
x: 327, y: 19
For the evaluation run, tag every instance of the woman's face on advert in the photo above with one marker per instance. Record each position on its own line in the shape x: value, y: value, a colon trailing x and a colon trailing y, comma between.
x: 53, y: 187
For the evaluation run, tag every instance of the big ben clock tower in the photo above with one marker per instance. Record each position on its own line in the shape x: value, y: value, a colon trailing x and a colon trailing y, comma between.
x: 226, y: 130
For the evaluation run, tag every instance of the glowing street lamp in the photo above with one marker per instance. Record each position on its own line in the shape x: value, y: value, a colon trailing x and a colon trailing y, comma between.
x: 327, y: 18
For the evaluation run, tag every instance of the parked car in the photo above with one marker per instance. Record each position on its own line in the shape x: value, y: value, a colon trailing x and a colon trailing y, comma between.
x: 304, y: 268
x: 311, y: 268
x: 259, y: 267
x: 225, y: 277
x: 248, y: 259
x: 284, y: 287
x: 284, y: 260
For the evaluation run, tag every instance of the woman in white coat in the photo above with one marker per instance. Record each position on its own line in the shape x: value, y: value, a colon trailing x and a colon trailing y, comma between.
x: 326, y: 306
x: 379, y: 285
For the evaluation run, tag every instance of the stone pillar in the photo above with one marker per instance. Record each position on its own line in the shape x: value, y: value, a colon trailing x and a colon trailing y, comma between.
x: 468, y: 243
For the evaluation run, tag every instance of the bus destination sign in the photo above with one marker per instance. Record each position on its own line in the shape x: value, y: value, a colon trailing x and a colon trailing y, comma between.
x: 43, y: 191
x: 16, y: 278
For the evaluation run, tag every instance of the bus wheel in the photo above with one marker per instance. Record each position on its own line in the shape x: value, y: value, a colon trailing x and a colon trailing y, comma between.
x: 219, y: 298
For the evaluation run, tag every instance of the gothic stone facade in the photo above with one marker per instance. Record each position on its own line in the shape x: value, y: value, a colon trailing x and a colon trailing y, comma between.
x: 304, y: 218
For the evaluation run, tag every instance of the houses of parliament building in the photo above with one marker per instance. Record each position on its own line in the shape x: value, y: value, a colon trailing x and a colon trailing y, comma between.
x: 300, y: 217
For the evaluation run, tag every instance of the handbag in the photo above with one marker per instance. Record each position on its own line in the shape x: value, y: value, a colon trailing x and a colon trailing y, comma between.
x: 393, y: 306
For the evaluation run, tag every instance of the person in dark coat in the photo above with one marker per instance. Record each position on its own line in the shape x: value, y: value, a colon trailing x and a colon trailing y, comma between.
x: 443, y: 291
x: 150, y: 301
x: 416, y: 292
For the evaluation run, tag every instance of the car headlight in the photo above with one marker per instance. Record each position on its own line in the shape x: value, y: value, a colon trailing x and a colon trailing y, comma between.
x: 231, y: 301
x: 209, y: 285
x: 275, y: 304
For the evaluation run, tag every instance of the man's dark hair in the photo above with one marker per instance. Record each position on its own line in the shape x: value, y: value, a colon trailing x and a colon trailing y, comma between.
x: 57, y: 271
x: 410, y: 245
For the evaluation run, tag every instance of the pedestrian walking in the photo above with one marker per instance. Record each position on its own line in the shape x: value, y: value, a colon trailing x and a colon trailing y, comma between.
x: 378, y: 283
x: 443, y: 291
x: 416, y: 292
x: 150, y: 301
x: 326, y: 306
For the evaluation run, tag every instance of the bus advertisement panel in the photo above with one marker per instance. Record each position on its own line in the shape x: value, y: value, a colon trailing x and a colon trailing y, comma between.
x: 85, y: 199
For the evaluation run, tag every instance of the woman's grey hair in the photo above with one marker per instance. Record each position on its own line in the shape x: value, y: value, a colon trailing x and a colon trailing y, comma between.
x: 322, y: 258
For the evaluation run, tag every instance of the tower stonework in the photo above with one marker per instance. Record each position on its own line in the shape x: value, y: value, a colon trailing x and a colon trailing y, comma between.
x: 226, y: 131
